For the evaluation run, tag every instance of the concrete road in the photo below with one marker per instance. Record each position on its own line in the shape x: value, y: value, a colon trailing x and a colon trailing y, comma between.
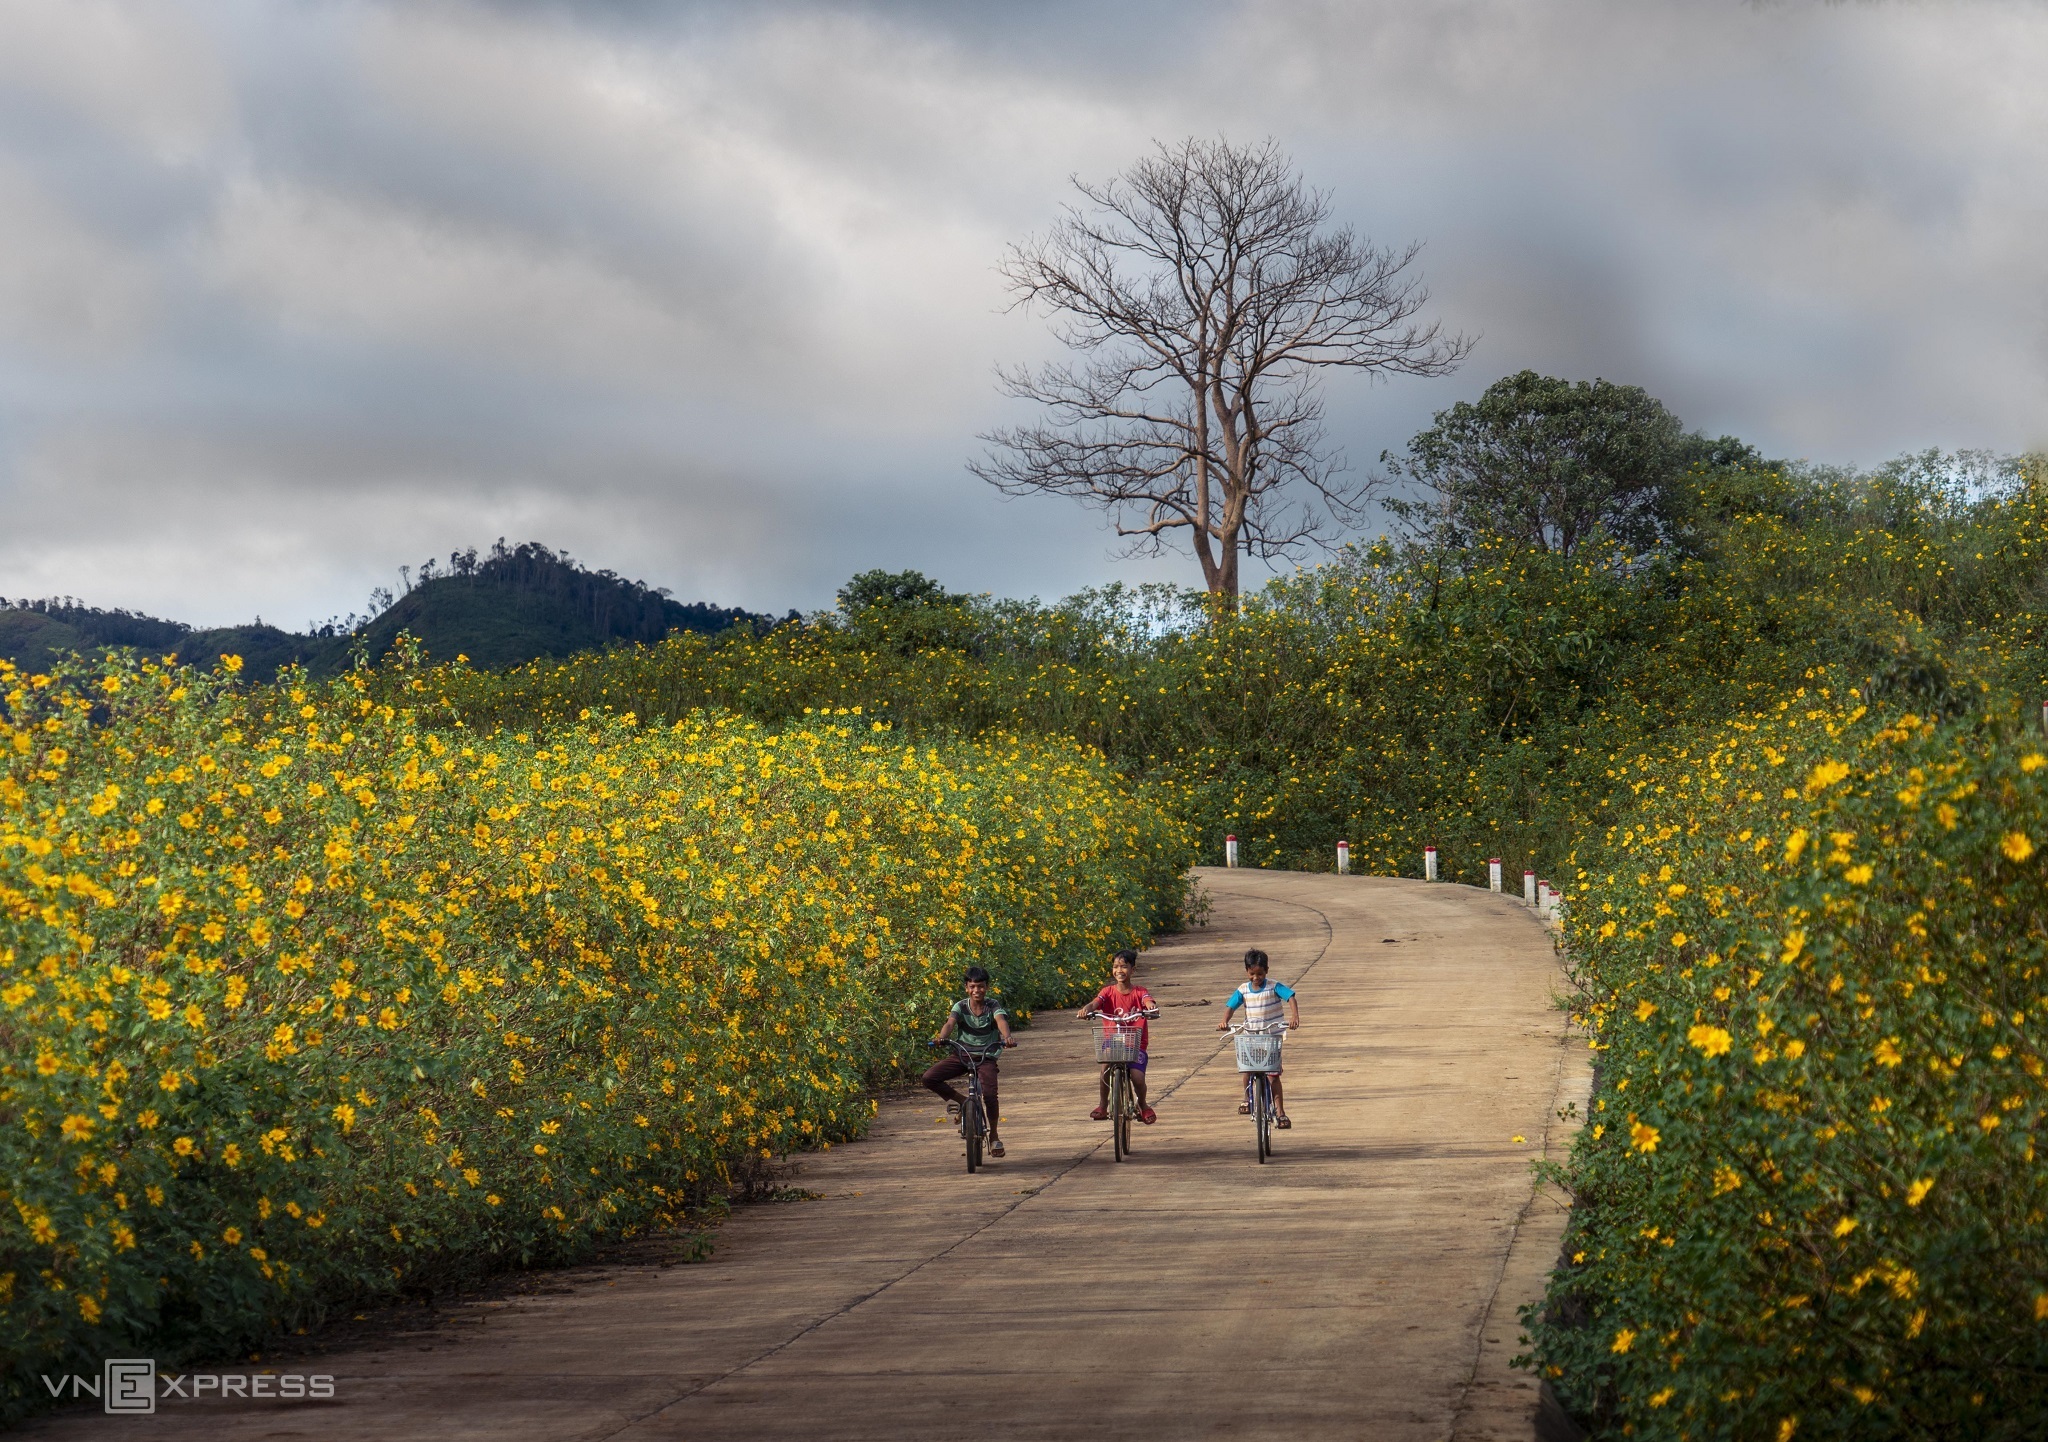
x: 1362, y: 1284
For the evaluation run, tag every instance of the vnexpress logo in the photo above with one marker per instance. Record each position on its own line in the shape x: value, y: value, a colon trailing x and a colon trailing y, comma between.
x: 128, y: 1385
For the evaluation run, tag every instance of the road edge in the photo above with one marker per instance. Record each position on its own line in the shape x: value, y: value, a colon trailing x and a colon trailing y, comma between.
x: 1498, y: 1400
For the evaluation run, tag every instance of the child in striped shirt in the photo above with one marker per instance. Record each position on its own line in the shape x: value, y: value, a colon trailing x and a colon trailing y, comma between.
x: 1263, y: 1002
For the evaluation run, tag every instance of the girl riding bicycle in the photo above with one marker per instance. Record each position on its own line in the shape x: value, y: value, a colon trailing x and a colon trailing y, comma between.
x: 1263, y: 1002
x: 1132, y: 1005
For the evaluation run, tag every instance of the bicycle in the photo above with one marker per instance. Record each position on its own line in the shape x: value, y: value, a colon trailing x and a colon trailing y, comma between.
x: 973, y: 1115
x: 1116, y: 1051
x: 1258, y: 1054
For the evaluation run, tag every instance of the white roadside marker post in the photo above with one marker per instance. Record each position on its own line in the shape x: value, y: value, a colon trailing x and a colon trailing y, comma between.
x: 1343, y: 858
x: 1493, y: 872
x: 1230, y: 851
x: 1429, y: 863
x: 1529, y: 888
x: 1543, y: 898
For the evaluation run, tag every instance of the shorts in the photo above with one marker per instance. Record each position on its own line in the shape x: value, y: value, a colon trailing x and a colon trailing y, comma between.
x: 1137, y: 1062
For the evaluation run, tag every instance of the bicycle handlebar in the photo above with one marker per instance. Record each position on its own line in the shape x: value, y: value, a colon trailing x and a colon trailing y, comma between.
x: 1267, y: 1030
x: 965, y: 1050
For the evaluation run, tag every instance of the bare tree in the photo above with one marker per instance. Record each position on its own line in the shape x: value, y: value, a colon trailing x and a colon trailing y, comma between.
x: 1204, y: 290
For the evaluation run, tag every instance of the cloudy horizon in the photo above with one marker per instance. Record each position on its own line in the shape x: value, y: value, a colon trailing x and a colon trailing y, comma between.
x: 293, y: 294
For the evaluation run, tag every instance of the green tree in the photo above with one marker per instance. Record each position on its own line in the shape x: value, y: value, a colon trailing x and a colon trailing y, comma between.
x: 1543, y: 462
x: 892, y: 588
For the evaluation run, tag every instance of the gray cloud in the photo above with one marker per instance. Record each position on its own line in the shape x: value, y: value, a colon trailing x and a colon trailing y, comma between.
x: 292, y: 294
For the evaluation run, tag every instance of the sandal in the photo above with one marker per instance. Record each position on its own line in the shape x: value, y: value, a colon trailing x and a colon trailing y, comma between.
x: 995, y: 1148
x: 1098, y: 1115
x: 1281, y: 1123
x: 1244, y: 1109
x: 1148, y: 1116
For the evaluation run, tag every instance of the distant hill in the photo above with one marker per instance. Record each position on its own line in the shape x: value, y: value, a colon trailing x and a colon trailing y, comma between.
x: 513, y: 606
x: 517, y: 605
x: 31, y: 632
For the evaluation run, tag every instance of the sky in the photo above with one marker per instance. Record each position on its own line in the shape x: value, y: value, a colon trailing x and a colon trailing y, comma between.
x: 295, y: 293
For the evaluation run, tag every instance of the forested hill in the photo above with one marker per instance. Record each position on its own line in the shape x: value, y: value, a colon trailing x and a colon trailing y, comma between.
x: 512, y: 606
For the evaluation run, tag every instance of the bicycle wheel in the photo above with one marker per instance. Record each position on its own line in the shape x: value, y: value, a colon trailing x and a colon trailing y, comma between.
x: 1119, y: 1111
x: 1262, y: 1112
x: 971, y: 1128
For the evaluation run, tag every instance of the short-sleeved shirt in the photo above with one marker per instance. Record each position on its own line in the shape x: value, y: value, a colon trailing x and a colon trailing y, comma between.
x: 1261, y: 1006
x: 979, y: 1032
x: 1109, y: 999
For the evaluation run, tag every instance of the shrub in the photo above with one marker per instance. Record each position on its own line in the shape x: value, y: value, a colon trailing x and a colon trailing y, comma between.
x: 1808, y: 1199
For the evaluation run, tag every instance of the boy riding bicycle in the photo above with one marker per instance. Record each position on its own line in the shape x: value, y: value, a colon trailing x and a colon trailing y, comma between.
x: 1121, y: 999
x: 984, y: 1026
x: 1263, y: 1002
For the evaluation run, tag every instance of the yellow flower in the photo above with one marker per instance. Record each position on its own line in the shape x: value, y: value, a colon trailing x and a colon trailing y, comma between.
x: 184, y: 1146
x: 1726, y: 1179
x: 88, y: 1309
x: 1859, y: 875
x: 232, y: 1236
x: 1710, y: 1040
x: 1658, y: 1399
x: 1917, y: 1193
x: 1845, y: 1226
x: 77, y: 1128
x: 1678, y: 938
x: 1888, y: 1053
x: 1643, y: 1137
x: 1825, y: 775
x: 2016, y: 846
x: 1645, y: 1010
x: 346, y: 1115
x: 1623, y: 1340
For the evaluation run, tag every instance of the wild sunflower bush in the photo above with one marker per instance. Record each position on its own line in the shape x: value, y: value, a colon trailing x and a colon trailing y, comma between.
x: 306, y: 994
x: 1809, y: 1201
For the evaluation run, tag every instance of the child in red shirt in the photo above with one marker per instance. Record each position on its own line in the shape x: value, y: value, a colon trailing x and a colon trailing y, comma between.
x: 1121, y: 998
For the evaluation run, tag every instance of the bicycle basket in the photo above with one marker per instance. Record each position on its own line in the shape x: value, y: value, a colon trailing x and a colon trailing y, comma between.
x: 1120, y: 1047
x: 1258, y: 1051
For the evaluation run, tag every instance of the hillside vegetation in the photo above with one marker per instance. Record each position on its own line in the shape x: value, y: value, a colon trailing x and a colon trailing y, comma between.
x: 512, y: 606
